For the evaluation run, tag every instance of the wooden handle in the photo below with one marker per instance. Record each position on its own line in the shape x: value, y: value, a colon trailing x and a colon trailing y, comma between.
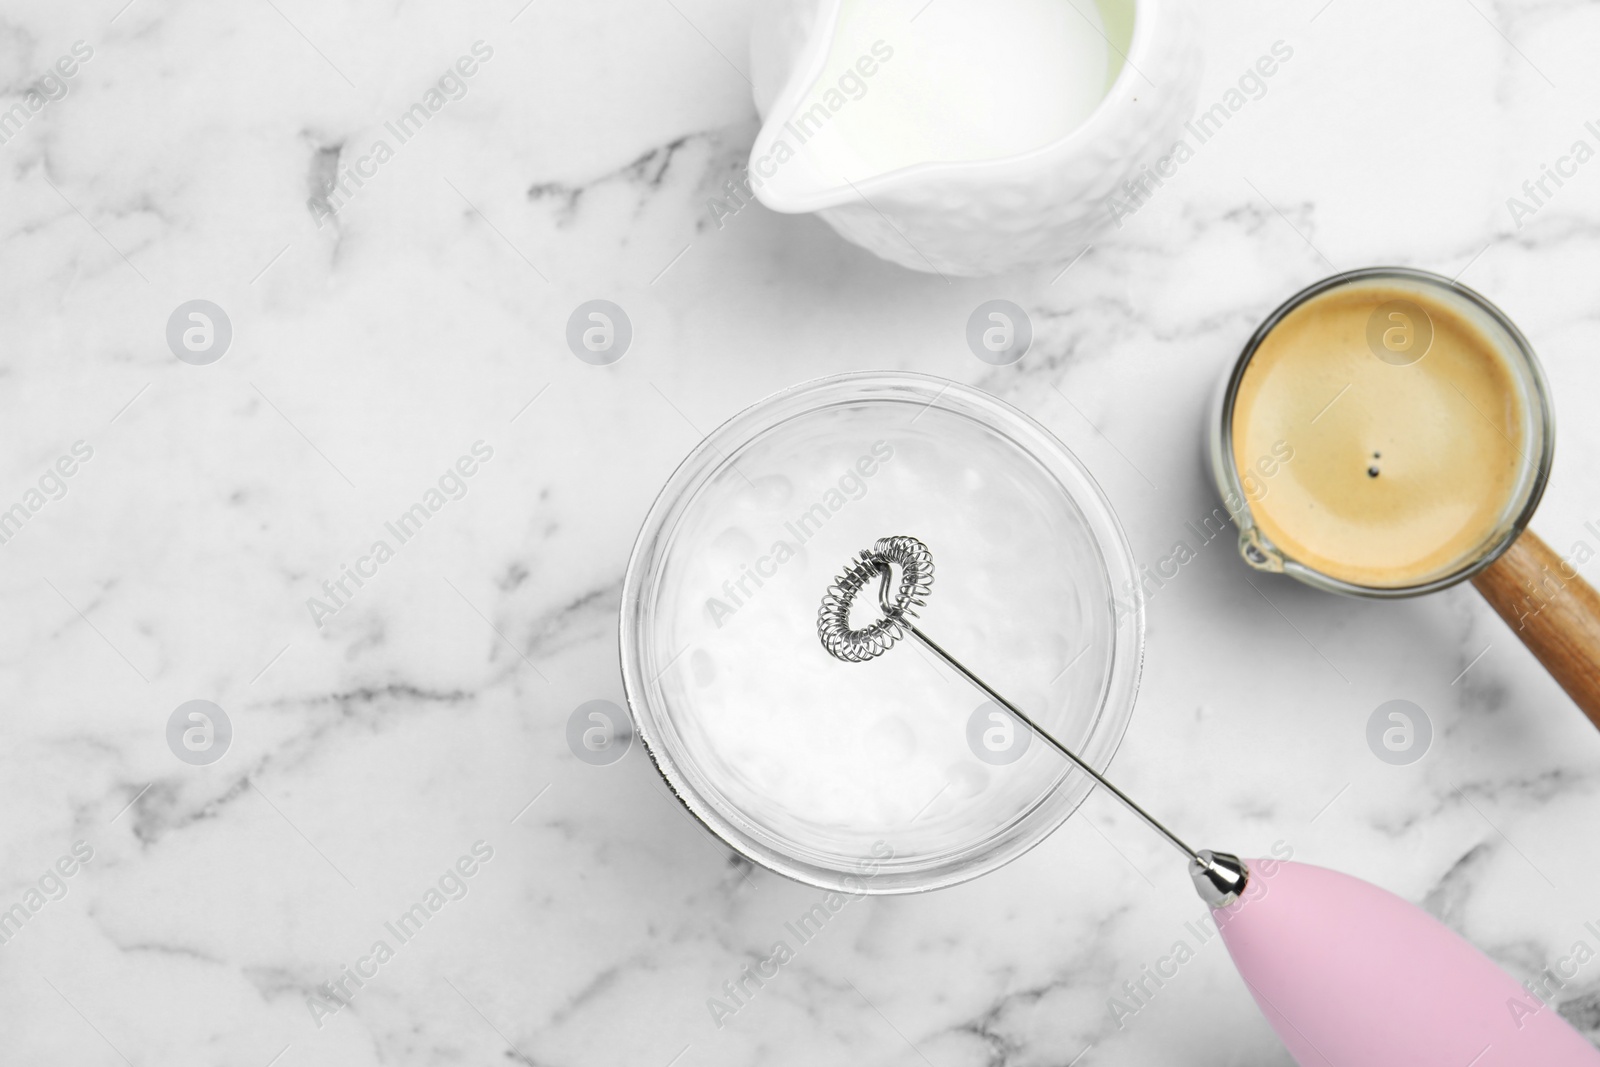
x: 1553, y: 610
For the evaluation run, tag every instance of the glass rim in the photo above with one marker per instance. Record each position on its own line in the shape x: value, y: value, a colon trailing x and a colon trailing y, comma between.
x: 1024, y: 830
x: 1225, y: 468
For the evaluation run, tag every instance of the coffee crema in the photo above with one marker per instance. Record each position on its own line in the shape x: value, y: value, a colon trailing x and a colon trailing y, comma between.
x: 1404, y: 471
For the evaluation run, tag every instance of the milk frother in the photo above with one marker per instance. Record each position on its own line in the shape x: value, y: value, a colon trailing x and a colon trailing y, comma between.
x: 1347, y: 974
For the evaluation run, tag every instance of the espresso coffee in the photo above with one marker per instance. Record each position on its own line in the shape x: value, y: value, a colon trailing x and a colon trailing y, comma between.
x: 1408, y: 429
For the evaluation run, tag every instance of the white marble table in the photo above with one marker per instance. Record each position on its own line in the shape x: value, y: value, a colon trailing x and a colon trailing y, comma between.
x: 426, y: 313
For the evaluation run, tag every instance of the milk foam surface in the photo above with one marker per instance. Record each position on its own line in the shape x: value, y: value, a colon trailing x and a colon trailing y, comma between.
x: 829, y: 756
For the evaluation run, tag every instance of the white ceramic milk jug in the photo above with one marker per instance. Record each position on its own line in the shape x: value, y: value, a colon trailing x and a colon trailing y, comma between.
x: 967, y: 137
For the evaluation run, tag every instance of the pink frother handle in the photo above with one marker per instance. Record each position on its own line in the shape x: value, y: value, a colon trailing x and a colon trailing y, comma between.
x: 1352, y: 976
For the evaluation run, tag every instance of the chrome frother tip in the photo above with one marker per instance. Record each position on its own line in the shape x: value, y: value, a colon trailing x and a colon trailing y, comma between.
x: 1218, y: 877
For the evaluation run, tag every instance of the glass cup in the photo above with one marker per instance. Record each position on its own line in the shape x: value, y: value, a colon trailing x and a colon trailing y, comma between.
x: 888, y: 776
x: 1542, y: 596
x: 1537, y: 449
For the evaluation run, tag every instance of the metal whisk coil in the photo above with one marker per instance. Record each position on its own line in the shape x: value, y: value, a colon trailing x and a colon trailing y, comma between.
x: 916, y: 582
